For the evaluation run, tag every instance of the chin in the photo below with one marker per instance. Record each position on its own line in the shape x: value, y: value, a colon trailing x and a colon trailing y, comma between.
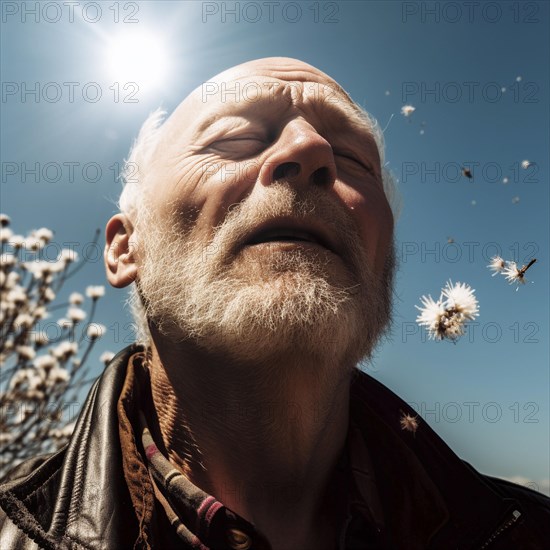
x: 287, y: 323
x: 295, y: 267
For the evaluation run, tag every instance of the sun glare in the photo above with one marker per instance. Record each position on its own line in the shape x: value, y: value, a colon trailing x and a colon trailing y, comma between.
x: 138, y: 57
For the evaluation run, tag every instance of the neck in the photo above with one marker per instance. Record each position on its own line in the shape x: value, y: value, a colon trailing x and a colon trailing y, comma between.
x: 263, y: 438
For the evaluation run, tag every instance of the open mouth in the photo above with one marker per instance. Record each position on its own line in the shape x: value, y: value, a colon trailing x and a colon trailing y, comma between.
x: 284, y: 235
x: 290, y: 233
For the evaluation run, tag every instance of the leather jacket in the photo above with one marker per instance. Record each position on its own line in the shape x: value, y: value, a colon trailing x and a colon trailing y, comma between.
x: 78, y: 498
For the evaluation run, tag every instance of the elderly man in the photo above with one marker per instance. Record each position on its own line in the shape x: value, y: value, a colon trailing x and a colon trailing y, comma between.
x: 258, y: 233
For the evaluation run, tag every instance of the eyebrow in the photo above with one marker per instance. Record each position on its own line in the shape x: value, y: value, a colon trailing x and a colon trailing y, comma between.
x: 355, y: 118
x: 237, y: 109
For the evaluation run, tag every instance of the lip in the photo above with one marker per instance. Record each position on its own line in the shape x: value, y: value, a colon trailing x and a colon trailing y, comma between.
x: 304, y: 232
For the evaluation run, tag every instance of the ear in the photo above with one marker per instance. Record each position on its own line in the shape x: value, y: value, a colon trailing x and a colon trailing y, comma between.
x: 120, y: 251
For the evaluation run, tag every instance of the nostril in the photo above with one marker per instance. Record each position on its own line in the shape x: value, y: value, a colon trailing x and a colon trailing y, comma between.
x: 321, y: 176
x: 285, y: 171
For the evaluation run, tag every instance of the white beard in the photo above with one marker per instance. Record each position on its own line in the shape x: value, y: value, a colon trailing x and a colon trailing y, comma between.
x: 257, y: 306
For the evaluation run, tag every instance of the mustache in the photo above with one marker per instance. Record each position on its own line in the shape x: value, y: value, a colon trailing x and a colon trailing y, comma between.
x: 283, y: 201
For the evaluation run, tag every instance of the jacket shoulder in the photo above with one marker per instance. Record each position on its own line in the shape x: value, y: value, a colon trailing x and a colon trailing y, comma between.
x: 17, y: 529
x: 529, y: 497
x: 24, y: 468
x: 77, y: 496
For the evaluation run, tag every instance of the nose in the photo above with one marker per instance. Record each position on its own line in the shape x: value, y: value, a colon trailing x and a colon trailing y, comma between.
x: 300, y: 156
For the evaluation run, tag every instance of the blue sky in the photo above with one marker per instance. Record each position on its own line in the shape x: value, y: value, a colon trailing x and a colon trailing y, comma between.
x: 488, y: 395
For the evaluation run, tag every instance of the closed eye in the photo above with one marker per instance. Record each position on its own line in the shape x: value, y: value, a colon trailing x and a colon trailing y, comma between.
x: 240, y: 146
x: 352, y: 159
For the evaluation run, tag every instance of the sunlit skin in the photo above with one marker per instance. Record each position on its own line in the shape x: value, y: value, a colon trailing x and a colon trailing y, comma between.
x: 272, y: 461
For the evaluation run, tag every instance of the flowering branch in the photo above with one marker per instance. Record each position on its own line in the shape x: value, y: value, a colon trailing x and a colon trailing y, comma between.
x: 41, y: 375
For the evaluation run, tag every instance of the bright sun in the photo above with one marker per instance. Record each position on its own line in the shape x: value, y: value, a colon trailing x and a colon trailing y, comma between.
x: 138, y: 57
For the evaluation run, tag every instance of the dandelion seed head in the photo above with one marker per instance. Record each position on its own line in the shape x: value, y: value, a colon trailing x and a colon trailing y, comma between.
x: 451, y: 327
x: 446, y: 317
x: 513, y: 274
x: 430, y: 312
x: 4, y: 220
x: 460, y: 297
x: 497, y: 265
x: 409, y: 423
x: 525, y: 164
x: 407, y: 110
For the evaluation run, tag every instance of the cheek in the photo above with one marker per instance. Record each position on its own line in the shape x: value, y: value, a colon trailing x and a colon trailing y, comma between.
x: 229, y: 184
x: 374, y: 220
x: 201, y: 192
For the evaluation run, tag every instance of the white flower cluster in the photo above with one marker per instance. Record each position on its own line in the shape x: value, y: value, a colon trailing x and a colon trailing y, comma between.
x: 38, y: 367
x: 446, y: 317
x: 37, y: 382
x: 510, y: 270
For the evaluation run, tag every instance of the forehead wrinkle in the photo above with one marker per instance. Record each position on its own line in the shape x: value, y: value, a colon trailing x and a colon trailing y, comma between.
x: 344, y: 106
x: 338, y: 104
x: 292, y: 77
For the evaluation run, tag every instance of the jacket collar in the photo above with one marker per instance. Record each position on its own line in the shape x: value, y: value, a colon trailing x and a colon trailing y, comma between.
x: 425, y: 492
x: 428, y: 493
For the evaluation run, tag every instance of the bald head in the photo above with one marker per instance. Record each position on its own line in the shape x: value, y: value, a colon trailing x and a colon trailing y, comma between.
x: 274, y: 131
x: 250, y: 85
